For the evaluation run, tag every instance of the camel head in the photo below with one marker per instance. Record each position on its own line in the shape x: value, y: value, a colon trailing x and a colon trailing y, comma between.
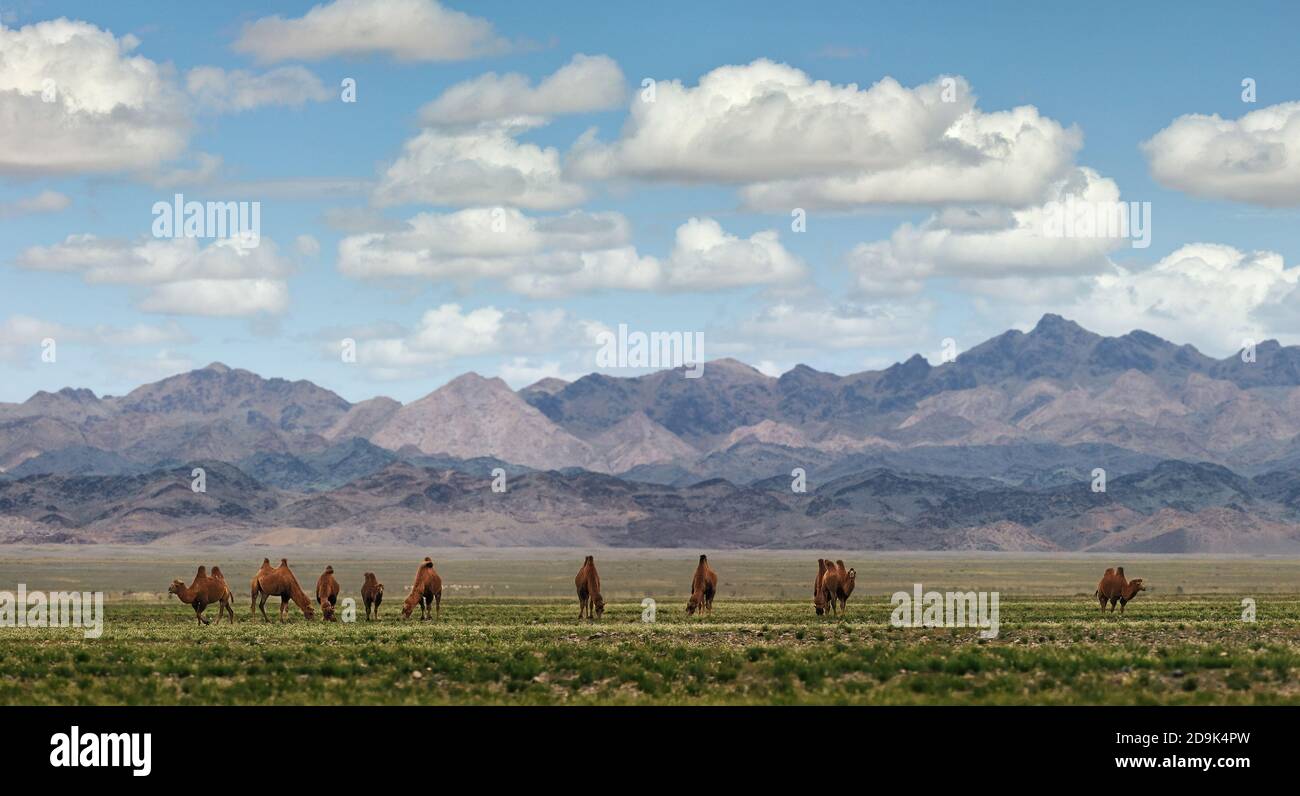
x: 1134, y: 586
x: 600, y: 606
x: 693, y: 605
x: 308, y: 612
x: 177, y: 587
x: 327, y: 611
x: 852, y: 576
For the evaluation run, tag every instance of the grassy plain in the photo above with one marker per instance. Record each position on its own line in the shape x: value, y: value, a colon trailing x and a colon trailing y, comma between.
x: 509, y: 635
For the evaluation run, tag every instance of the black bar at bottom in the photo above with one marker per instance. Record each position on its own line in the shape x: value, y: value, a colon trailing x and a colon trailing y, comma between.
x: 538, y: 745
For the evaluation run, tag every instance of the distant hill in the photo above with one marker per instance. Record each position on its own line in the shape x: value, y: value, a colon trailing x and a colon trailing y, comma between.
x: 995, y: 450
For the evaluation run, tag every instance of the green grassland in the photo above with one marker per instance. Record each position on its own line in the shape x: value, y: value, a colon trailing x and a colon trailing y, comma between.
x: 509, y: 634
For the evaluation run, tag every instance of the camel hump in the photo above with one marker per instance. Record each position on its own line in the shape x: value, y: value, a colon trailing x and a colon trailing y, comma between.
x: 1109, y: 571
x: 216, y: 572
x: 266, y: 562
x: 284, y: 562
x: 1119, y: 571
x: 329, y: 570
x: 202, y: 573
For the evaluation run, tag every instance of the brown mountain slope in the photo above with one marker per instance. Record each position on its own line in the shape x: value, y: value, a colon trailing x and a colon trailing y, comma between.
x: 473, y: 416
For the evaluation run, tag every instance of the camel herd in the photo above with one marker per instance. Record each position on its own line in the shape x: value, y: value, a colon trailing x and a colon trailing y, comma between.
x: 831, y: 591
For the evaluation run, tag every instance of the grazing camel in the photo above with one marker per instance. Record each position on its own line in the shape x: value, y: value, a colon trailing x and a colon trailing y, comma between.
x: 819, y: 595
x: 848, y: 579
x: 427, y: 591
x: 204, y: 591
x: 704, y: 585
x: 372, y: 593
x: 830, y: 587
x: 1114, y: 588
x: 590, y: 602
x: 271, y: 581
x: 327, y: 593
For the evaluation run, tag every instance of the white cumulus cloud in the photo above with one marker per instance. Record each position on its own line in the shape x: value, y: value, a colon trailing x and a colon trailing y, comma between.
x: 76, y: 100
x: 407, y: 30
x: 980, y: 242
x: 484, y: 165
x: 556, y: 256
x: 178, y: 276
x: 1253, y: 159
x: 43, y: 202
x: 450, y: 332
x: 795, y: 142
x: 240, y: 90
x: 587, y: 83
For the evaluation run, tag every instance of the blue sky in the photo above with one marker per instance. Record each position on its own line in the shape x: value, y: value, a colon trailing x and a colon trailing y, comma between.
x: 1220, y: 266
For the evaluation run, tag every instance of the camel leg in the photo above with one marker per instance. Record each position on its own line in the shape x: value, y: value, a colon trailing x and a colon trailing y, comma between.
x: 284, y: 607
x: 1122, y: 603
x: 262, y: 607
x: 437, y: 599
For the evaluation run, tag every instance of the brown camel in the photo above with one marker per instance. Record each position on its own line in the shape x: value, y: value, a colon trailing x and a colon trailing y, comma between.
x: 704, y: 585
x: 590, y: 602
x: 1114, y: 588
x: 427, y: 591
x: 848, y: 579
x: 819, y: 594
x: 204, y: 591
x: 272, y: 581
x: 831, y: 587
x: 327, y: 593
x: 372, y: 593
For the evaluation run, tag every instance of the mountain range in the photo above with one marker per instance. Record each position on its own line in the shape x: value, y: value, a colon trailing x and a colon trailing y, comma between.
x: 996, y: 450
